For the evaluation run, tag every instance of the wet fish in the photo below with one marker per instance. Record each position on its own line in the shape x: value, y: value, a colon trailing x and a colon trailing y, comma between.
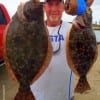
x: 27, y: 47
x: 81, y: 49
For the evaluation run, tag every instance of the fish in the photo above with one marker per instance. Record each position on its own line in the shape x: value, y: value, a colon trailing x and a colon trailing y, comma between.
x: 81, y: 49
x: 27, y: 47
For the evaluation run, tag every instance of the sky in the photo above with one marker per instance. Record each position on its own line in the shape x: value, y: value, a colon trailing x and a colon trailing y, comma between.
x: 12, y: 5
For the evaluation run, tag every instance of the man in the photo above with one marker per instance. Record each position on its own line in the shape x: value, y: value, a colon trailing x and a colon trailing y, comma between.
x: 56, y: 82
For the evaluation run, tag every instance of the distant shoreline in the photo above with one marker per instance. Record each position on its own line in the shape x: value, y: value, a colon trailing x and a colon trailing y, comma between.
x: 96, y: 28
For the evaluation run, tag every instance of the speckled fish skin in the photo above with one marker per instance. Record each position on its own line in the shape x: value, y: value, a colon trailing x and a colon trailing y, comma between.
x: 82, y: 49
x: 27, y: 44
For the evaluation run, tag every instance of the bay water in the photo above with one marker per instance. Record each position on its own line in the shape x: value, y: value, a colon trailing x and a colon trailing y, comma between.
x: 97, y: 33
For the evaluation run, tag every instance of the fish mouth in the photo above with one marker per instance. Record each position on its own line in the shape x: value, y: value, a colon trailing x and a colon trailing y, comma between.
x: 79, y: 22
x: 84, y: 20
x: 81, y: 26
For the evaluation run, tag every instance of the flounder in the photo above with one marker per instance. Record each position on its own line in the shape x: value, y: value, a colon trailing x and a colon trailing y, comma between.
x: 81, y: 48
x: 27, y: 47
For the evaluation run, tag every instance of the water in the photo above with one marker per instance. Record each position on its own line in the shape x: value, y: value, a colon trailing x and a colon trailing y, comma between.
x: 97, y: 33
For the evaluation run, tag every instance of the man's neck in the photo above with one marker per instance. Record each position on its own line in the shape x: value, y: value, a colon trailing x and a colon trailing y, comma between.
x: 53, y: 24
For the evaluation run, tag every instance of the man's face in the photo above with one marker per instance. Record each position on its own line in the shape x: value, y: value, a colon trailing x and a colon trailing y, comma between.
x: 54, y: 10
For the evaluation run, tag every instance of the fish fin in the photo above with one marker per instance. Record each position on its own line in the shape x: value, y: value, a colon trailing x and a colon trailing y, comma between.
x: 82, y: 85
x: 46, y: 61
x: 24, y: 96
x: 8, y: 65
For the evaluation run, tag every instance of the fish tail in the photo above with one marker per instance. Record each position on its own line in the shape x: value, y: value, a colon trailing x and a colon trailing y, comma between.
x: 82, y: 85
x: 24, y: 95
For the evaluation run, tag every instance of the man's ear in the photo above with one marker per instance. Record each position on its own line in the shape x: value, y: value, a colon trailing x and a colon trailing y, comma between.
x: 44, y: 6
